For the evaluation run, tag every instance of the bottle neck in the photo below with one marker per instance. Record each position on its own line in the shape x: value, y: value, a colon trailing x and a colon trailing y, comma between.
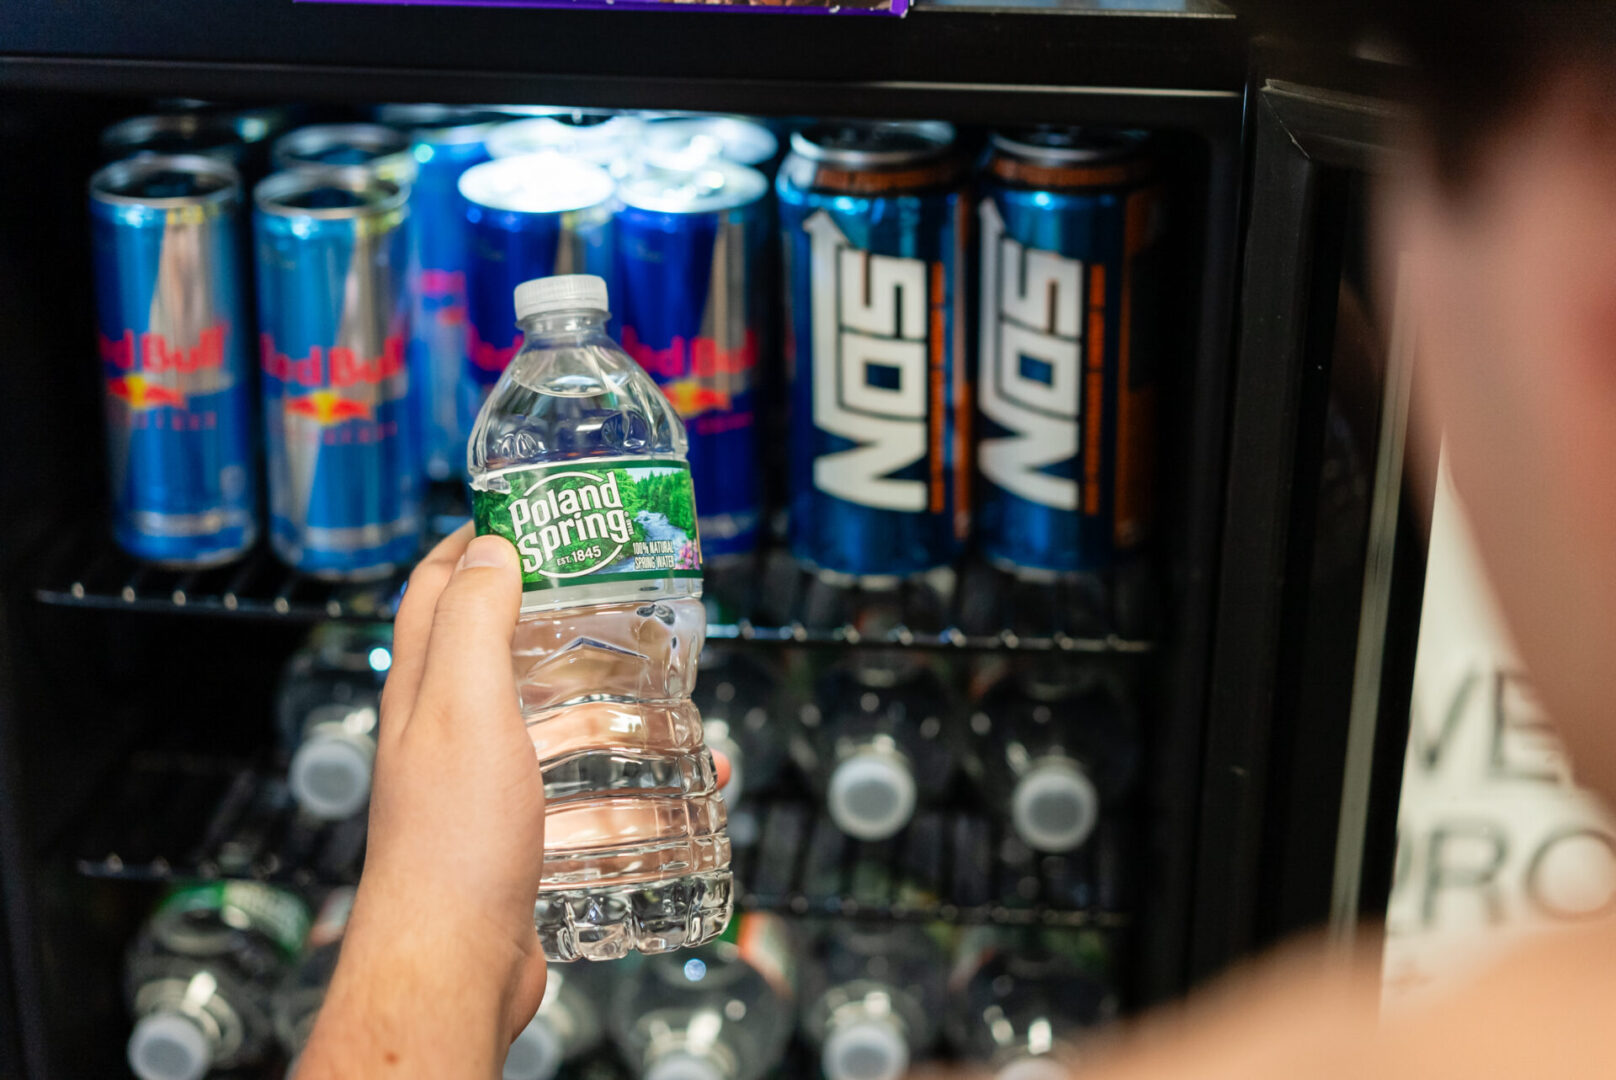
x: 580, y: 322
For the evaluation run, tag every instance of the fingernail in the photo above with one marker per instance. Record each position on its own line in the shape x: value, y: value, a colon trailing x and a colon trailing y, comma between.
x: 486, y: 551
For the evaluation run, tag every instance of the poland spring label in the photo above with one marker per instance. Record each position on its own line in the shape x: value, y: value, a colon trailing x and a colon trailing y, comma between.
x: 595, y: 522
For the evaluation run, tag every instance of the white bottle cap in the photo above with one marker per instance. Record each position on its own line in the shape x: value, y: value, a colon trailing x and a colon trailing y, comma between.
x: 871, y: 796
x: 563, y: 292
x: 536, y: 1054
x: 169, y: 1046
x: 866, y: 1050
x: 1054, y: 806
x: 681, y: 1066
x: 1033, y: 1068
x: 330, y: 777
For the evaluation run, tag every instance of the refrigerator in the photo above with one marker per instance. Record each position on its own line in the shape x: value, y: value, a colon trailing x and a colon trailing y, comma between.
x: 1267, y: 647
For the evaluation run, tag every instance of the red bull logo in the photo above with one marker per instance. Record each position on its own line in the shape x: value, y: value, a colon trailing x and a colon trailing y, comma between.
x: 696, y: 374
x: 336, y: 367
x: 443, y: 285
x: 329, y: 407
x: 156, y: 353
x: 490, y: 359
x: 140, y: 393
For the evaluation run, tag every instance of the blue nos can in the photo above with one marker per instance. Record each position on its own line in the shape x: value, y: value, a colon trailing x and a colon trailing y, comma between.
x: 445, y: 142
x: 690, y: 251
x: 527, y: 217
x: 340, y: 423
x: 1069, y: 328
x: 873, y: 222
x: 171, y: 322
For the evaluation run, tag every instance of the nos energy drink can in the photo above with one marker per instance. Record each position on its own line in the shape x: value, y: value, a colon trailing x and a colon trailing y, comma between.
x: 170, y: 320
x: 344, y: 453
x: 526, y: 217
x: 873, y: 223
x: 690, y: 251
x: 1070, y: 317
x: 446, y: 141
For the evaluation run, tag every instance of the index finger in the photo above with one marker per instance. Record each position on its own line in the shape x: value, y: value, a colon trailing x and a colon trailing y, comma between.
x: 412, y: 626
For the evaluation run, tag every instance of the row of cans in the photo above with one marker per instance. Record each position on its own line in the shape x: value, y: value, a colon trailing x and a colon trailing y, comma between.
x: 876, y: 222
x: 369, y: 245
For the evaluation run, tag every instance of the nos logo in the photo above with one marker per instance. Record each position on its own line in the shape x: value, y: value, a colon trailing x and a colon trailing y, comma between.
x: 869, y: 368
x: 1031, y: 367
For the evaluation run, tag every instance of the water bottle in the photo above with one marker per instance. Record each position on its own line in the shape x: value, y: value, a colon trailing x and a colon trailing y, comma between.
x: 328, y: 707
x: 875, y: 743
x: 200, y: 974
x: 736, y: 695
x: 1051, y: 746
x: 723, y: 1012
x: 298, y: 998
x: 579, y: 460
x: 873, y: 998
x: 1027, y: 1005
x: 570, y: 1022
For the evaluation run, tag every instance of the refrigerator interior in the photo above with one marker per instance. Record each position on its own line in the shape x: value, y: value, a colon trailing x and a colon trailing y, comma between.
x: 136, y: 727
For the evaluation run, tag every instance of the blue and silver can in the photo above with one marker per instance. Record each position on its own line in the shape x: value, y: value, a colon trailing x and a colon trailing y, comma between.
x: 873, y: 220
x: 208, y: 134
x: 690, y: 251
x: 340, y: 425
x: 171, y: 327
x: 684, y: 142
x: 381, y: 149
x: 446, y: 141
x: 526, y: 217
x: 600, y: 137
x: 1071, y: 309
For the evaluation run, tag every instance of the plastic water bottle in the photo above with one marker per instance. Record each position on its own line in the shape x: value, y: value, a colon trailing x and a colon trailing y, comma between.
x: 200, y: 975
x: 579, y: 460
x: 736, y: 694
x: 570, y: 1022
x: 328, y: 708
x: 876, y: 744
x: 723, y: 1012
x: 873, y: 1000
x: 1051, y: 747
x: 1029, y: 1007
x: 298, y: 999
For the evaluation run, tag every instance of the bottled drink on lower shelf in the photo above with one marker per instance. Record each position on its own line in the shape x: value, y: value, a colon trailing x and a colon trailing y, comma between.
x: 328, y: 709
x: 1028, y: 1004
x: 298, y: 999
x: 200, y: 975
x: 571, y: 1021
x: 873, y: 998
x: 875, y: 742
x: 736, y: 695
x: 1052, y: 746
x: 723, y: 1012
x: 579, y: 460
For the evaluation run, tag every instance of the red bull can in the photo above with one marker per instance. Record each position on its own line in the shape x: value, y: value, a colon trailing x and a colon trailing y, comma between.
x: 340, y: 424
x: 685, y: 142
x: 526, y: 217
x: 690, y: 253
x: 208, y: 134
x: 445, y: 142
x: 1070, y: 325
x: 170, y: 329
x: 873, y: 221
x: 381, y: 149
x: 607, y: 139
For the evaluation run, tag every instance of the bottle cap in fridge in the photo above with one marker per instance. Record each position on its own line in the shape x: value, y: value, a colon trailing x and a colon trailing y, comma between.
x: 330, y: 776
x: 536, y: 1054
x: 1054, y: 806
x: 871, y: 795
x: 677, y: 1066
x: 865, y: 1050
x: 169, y: 1046
x: 564, y: 292
x: 1033, y: 1068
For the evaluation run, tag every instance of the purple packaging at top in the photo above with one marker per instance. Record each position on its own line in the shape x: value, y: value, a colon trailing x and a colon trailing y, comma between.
x: 813, y: 7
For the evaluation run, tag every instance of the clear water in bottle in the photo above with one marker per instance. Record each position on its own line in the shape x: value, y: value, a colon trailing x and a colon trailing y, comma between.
x: 579, y: 460
x: 872, y: 999
x: 723, y: 1012
x: 200, y: 975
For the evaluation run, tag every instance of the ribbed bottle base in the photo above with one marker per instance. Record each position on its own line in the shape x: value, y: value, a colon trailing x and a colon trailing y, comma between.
x: 605, y: 922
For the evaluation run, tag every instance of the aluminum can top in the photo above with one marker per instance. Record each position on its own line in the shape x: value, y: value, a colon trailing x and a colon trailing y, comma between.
x: 685, y: 141
x: 376, y: 147
x: 168, y: 182
x: 546, y: 183
x: 708, y: 188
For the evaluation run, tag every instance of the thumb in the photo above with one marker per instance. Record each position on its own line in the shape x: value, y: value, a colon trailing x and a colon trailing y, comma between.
x: 468, y: 658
